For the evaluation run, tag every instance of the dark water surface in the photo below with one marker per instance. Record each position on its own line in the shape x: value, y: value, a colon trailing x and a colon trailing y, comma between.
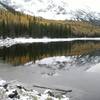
x: 22, y: 53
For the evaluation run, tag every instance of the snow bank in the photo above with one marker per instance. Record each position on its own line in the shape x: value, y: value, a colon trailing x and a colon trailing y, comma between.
x: 12, y: 91
x: 9, y: 41
x: 2, y: 82
x: 95, y: 68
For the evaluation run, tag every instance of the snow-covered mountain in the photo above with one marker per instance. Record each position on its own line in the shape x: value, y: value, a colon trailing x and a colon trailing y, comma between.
x: 2, y: 7
x: 53, y: 9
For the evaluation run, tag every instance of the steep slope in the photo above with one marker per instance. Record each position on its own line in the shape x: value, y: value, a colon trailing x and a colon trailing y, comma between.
x: 53, y: 9
x: 2, y: 7
x: 6, y: 7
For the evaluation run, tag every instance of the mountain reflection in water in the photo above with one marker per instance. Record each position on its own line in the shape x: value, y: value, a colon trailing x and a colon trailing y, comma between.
x: 22, y: 53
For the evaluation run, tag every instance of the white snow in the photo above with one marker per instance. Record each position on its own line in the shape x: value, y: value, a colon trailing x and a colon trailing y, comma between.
x: 53, y: 9
x: 24, y: 94
x: 9, y: 41
x: 2, y: 82
x: 95, y: 68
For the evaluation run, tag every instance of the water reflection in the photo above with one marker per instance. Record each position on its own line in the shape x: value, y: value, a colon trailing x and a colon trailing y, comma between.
x: 23, y: 53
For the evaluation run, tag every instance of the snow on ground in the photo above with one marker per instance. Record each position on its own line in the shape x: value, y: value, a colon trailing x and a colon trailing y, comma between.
x: 11, y: 91
x: 2, y: 82
x: 9, y: 41
x: 95, y: 68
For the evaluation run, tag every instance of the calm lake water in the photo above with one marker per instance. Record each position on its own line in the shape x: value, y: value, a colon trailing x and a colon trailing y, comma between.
x: 22, y: 53
x: 85, y: 85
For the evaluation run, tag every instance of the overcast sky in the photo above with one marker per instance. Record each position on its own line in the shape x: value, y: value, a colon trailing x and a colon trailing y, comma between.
x: 93, y: 5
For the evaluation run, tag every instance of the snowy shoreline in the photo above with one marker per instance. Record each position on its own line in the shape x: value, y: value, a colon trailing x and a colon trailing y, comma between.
x: 39, y: 78
x: 22, y: 40
x: 17, y: 91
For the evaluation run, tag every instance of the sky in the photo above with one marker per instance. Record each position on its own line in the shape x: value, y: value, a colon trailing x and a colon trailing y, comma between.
x: 93, y: 5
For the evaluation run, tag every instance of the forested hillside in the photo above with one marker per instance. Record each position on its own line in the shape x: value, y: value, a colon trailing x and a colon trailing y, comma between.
x: 17, y: 24
x: 14, y: 24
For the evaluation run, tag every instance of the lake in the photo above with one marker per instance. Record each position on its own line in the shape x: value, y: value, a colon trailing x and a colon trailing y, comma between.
x: 20, y: 54
x: 22, y: 62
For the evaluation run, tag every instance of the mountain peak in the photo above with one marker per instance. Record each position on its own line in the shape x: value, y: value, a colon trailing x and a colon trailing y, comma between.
x: 52, y: 9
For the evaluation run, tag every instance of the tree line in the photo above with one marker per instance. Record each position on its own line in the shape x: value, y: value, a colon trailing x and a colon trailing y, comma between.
x: 20, y: 25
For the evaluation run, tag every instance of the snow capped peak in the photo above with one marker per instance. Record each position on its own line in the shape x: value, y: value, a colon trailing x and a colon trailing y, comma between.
x: 53, y: 9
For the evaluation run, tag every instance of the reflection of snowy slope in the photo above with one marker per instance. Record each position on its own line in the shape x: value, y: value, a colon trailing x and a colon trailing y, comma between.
x: 81, y: 63
x: 54, y: 66
x: 95, y: 68
x: 56, y: 62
